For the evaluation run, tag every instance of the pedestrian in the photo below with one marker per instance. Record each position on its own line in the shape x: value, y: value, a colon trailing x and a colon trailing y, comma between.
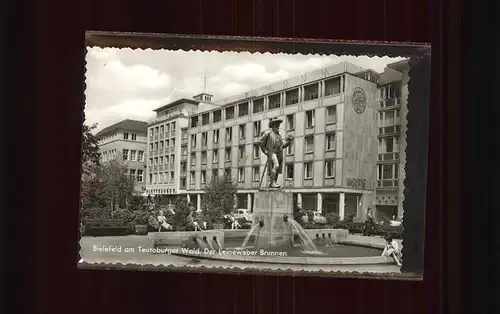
x: 392, y: 249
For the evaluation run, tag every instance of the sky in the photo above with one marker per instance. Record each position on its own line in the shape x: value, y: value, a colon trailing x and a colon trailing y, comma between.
x: 130, y: 84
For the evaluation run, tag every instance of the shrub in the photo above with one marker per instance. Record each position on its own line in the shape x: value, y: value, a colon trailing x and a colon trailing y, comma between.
x: 96, y: 213
x: 124, y: 214
x: 332, y: 218
x: 142, y: 217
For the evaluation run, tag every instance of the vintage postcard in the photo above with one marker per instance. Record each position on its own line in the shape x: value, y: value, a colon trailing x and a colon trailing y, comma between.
x: 254, y: 155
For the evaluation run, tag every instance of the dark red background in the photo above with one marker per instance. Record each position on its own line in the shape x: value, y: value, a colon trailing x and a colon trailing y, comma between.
x: 48, y: 49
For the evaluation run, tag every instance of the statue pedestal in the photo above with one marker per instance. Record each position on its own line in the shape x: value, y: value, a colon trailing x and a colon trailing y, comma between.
x: 270, y: 207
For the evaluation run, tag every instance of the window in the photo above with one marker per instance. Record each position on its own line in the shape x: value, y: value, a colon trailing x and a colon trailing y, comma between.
x: 310, y: 119
x: 329, y: 169
x: 184, y: 150
x: 192, y: 177
x: 156, y: 131
x: 140, y: 174
x: 156, y: 146
x: 256, y: 173
x: 292, y: 97
x: 332, y: 86
x: 125, y: 136
x: 243, y: 110
x: 290, y: 148
x: 227, y: 172
x: 184, y: 134
x: 308, y: 170
x: 204, y: 157
x: 389, y: 118
x: 151, y: 147
x: 256, y: 151
x: 151, y: 132
x: 172, y: 158
x: 227, y: 155
x: 183, y: 183
x: 204, y: 138
x: 167, y: 178
x: 396, y: 171
x: 230, y: 113
x: 289, y: 171
x: 217, y: 116
x: 172, y: 141
x: 387, y: 172
x: 229, y: 134
x: 194, y: 121
x: 132, y: 173
x: 215, y: 174
x: 161, y: 144
x: 193, y: 159
x: 150, y: 178
x: 134, y: 137
x: 258, y: 105
x: 150, y: 161
x: 389, y: 145
x: 167, y: 160
x: 140, y: 156
x: 162, y: 129
x: 155, y: 177
x: 183, y: 166
x: 156, y: 161
x: 125, y: 154
x: 290, y: 122
x: 167, y: 127
x: 274, y: 101
x: 256, y: 128
x: 241, y: 129
x: 331, y: 114
x: 241, y: 151
x: 216, y: 136
x: 205, y: 119
x: 215, y: 156
x: 160, y: 161
x: 203, y: 177
x: 241, y: 175
x: 193, y: 140
x: 160, y: 177
x: 311, y: 92
x: 330, y: 141
x: 173, y: 126
x: 309, y: 144
x: 167, y: 143
x: 133, y: 155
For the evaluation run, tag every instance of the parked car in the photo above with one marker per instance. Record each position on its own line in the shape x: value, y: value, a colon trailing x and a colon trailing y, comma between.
x: 243, y: 214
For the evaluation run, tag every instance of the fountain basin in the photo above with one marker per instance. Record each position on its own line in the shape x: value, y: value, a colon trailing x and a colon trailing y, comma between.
x: 179, y: 238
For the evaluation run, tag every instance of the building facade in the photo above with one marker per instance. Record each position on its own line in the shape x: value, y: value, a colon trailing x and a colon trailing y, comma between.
x: 126, y: 141
x: 393, y: 88
x: 339, y: 157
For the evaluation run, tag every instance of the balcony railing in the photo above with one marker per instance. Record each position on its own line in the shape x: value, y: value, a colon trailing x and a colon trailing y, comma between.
x: 390, y: 102
x: 389, y: 130
x: 391, y: 183
x: 394, y: 156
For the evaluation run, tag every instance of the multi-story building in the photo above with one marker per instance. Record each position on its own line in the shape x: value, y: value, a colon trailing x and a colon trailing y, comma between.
x: 331, y: 166
x: 393, y: 87
x: 126, y: 141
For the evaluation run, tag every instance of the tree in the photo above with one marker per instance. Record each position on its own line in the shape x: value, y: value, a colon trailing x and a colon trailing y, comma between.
x: 182, y: 211
x: 90, y: 146
x: 219, y: 197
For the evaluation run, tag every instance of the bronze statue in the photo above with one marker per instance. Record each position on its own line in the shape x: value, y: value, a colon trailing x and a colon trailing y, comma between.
x: 271, y: 143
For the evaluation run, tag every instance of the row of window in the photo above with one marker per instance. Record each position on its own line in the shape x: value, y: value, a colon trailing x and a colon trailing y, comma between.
x: 133, y: 155
x: 162, y: 160
x: 256, y: 174
x: 162, y: 144
x: 331, y: 117
x: 258, y: 105
x: 330, y: 144
x: 388, y: 118
x: 388, y: 145
x: 161, y: 129
x: 162, y: 177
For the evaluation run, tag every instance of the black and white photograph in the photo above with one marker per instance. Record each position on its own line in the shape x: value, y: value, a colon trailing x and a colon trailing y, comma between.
x: 204, y: 159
